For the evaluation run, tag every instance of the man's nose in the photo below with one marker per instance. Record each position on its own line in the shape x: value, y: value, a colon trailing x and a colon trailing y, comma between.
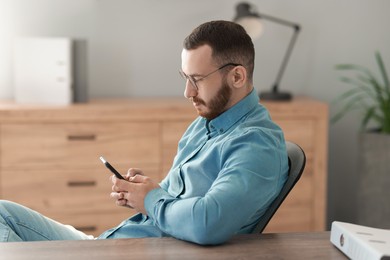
x: 189, y: 90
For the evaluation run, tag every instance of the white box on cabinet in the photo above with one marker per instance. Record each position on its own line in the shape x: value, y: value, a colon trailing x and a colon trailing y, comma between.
x: 43, y: 70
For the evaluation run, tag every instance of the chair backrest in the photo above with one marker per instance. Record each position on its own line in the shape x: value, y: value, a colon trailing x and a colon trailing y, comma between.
x: 297, y: 161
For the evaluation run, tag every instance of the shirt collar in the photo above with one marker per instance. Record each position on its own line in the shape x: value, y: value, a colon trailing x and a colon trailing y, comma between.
x: 223, y: 122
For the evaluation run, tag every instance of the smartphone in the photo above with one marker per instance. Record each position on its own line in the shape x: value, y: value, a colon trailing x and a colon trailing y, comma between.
x: 112, y: 169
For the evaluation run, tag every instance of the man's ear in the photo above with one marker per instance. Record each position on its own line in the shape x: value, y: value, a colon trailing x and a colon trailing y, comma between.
x: 238, y: 77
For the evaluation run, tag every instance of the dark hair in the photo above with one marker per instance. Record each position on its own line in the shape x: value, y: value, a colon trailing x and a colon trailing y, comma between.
x: 229, y: 43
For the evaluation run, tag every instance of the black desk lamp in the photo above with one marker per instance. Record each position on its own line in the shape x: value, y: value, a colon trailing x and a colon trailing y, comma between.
x: 250, y: 20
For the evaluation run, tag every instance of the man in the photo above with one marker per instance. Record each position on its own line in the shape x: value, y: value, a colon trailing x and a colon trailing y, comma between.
x: 230, y: 164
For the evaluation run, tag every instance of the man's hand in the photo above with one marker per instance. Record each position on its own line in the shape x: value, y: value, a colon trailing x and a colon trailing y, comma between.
x: 132, y: 191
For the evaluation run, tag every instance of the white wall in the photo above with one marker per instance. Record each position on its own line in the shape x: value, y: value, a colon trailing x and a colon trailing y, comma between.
x: 134, y: 50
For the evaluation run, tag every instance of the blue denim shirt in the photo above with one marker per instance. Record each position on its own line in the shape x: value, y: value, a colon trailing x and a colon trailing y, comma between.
x: 226, y: 173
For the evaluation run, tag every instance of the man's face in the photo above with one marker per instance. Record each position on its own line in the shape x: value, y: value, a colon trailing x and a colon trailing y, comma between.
x: 212, y: 94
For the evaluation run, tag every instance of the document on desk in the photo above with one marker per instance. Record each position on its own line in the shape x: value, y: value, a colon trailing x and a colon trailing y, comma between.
x: 361, y: 242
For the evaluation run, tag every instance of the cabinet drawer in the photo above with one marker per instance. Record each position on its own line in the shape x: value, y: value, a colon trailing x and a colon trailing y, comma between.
x: 300, y: 132
x: 64, y: 190
x: 66, y: 146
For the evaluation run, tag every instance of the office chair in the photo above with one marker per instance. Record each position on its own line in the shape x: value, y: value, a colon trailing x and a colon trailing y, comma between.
x: 297, y: 161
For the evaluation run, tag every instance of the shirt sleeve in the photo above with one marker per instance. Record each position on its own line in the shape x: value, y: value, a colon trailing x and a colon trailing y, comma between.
x: 253, y: 172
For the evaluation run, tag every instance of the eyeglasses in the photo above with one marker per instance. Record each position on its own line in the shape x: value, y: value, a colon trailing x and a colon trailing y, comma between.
x: 193, y: 81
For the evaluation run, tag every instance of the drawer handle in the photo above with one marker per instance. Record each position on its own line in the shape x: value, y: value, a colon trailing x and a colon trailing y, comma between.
x: 91, y: 137
x: 86, y: 228
x: 74, y: 184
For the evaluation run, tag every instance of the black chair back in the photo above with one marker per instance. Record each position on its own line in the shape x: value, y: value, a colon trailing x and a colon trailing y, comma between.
x: 297, y: 161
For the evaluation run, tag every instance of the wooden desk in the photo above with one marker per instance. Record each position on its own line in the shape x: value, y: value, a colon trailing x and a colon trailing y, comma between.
x: 315, y: 245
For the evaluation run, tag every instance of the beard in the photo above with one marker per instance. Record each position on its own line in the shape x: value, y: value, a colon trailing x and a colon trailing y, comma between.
x: 217, y: 105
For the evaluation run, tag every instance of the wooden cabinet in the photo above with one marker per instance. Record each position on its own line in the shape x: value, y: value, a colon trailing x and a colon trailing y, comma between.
x: 49, y: 156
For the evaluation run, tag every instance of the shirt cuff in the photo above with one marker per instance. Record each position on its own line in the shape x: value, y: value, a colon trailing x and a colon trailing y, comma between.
x: 152, y: 198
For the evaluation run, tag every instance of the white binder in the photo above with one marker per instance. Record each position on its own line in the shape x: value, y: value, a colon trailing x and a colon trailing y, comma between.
x: 361, y: 242
x: 43, y: 71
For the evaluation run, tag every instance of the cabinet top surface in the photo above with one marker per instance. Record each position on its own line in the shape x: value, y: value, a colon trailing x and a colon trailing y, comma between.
x: 142, y: 109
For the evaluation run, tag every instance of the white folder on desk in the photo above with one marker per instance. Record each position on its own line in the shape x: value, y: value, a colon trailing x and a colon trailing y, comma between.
x: 43, y: 70
x: 361, y: 242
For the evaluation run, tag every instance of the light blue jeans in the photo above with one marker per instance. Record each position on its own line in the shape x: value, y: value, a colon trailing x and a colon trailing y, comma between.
x: 18, y: 223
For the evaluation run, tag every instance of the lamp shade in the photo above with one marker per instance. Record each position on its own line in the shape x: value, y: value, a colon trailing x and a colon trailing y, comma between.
x: 249, y: 19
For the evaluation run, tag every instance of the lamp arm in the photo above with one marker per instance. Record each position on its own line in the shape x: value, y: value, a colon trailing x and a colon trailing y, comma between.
x: 286, y: 57
x: 277, y: 20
